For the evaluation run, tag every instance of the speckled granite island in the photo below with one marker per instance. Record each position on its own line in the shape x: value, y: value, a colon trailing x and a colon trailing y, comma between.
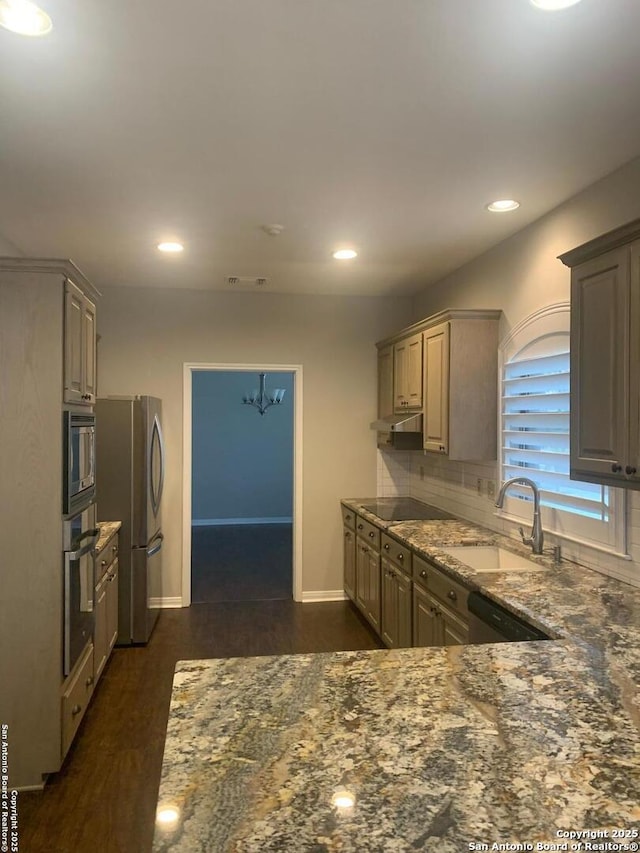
x: 438, y: 749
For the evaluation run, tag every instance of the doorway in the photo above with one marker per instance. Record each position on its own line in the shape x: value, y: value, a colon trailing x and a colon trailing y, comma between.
x: 241, y: 485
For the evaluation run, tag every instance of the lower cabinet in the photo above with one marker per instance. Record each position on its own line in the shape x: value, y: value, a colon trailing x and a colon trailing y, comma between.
x: 409, y: 601
x: 368, y: 583
x: 75, y: 698
x: 105, y: 629
x: 434, y: 624
x: 396, y: 606
x: 440, y: 615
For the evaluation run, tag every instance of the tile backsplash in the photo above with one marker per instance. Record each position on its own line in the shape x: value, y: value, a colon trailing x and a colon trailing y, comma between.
x: 467, y: 490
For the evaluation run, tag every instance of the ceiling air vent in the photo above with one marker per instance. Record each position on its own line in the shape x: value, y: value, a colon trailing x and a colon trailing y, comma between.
x: 245, y: 281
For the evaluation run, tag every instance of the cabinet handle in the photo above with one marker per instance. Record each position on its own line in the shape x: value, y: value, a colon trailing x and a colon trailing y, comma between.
x: 112, y: 577
x: 89, y: 681
x: 372, y: 535
x: 629, y: 470
x: 347, y: 518
x: 616, y: 468
x: 386, y: 546
x: 76, y: 710
x: 103, y: 563
x: 452, y: 595
x: 361, y: 527
x: 365, y: 549
x: 401, y: 557
x: 114, y: 548
x: 423, y: 574
x: 347, y: 535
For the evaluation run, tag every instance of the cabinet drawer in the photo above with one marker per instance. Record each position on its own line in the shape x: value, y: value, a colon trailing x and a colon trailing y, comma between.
x: 105, y: 559
x: 397, y: 553
x: 369, y: 532
x: 441, y: 585
x: 348, y: 518
x: 76, y: 698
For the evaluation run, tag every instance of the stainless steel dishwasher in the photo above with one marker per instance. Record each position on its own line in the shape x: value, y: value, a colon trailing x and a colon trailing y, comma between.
x: 491, y: 623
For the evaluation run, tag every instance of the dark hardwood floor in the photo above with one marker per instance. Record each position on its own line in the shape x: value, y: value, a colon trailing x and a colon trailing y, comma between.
x: 104, y: 798
x: 241, y: 562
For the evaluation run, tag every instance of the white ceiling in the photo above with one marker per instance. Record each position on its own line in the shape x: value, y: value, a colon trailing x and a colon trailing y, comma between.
x: 386, y: 124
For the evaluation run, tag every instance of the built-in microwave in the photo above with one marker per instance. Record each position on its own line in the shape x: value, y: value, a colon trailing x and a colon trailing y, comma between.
x: 79, y: 481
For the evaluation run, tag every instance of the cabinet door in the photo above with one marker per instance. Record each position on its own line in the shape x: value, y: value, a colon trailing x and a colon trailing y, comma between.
x: 389, y: 605
x: 404, y: 615
x: 100, y: 638
x: 73, y: 343
x: 427, y: 626
x: 414, y: 371
x: 349, y: 562
x: 633, y: 472
x: 385, y: 382
x: 112, y: 606
x: 374, y: 592
x: 436, y: 388
x: 362, y: 576
x: 400, y: 376
x: 89, y: 351
x: 599, y: 366
x: 455, y: 632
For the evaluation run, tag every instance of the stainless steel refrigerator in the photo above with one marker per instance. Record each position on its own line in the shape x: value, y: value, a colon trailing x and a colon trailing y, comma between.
x: 130, y: 464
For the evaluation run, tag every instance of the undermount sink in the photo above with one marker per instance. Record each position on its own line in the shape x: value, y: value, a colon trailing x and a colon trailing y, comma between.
x: 490, y: 558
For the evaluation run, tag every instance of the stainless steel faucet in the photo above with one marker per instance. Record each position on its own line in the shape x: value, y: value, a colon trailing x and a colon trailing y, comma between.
x: 537, y: 537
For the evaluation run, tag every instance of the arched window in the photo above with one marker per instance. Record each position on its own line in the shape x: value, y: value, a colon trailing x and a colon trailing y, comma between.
x: 534, y: 427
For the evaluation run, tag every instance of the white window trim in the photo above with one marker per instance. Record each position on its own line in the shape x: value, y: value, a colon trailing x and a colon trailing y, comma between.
x: 554, y: 319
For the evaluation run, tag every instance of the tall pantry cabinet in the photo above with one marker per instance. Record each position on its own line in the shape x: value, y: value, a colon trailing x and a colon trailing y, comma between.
x: 34, y: 365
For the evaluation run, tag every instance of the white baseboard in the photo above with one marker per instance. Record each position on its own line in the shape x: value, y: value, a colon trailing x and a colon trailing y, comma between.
x: 314, y: 596
x: 165, y: 603
x: 215, y: 522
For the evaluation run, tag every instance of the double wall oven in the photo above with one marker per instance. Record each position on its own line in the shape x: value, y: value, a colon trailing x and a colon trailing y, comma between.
x: 79, y: 533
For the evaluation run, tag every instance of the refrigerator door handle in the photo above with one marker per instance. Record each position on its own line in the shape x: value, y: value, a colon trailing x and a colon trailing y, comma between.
x: 94, y: 533
x: 153, y: 548
x: 156, y: 435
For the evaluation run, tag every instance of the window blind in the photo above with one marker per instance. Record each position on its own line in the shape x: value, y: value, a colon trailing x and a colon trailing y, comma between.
x: 535, y: 434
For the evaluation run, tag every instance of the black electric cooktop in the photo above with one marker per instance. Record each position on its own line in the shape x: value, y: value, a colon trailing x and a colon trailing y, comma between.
x: 405, y: 509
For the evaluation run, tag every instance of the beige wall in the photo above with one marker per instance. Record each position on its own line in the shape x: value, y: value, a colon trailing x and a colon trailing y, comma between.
x: 520, y: 276
x: 147, y: 335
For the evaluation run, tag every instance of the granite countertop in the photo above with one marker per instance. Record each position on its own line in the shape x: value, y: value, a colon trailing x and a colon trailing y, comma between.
x: 442, y: 748
x: 107, y: 529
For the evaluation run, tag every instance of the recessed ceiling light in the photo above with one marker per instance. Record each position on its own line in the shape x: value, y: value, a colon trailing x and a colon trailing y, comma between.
x: 24, y: 17
x: 503, y: 205
x: 553, y: 5
x: 171, y: 247
x: 345, y: 254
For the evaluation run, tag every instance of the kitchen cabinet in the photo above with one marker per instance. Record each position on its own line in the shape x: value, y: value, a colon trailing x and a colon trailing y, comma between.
x: 460, y: 382
x: 446, y: 366
x: 75, y: 698
x: 395, y: 569
x: 32, y: 354
x: 385, y: 382
x: 407, y: 374
x: 605, y: 358
x: 106, y: 604
x: 349, y: 552
x: 440, y: 614
x: 79, y: 346
x: 368, y: 592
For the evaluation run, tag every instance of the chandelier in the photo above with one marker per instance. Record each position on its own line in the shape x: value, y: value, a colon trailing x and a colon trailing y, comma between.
x: 262, y: 399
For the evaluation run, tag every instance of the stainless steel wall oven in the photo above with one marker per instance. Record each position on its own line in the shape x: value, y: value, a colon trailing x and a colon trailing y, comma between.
x: 80, y: 535
x: 79, y: 466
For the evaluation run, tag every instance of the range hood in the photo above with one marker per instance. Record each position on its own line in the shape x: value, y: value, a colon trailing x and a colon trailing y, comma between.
x: 407, y: 422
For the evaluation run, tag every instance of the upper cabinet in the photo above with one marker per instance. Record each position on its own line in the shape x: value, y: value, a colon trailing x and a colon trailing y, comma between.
x: 385, y: 381
x: 605, y: 358
x: 446, y: 368
x: 407, y: 374
x: 79, y: 346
